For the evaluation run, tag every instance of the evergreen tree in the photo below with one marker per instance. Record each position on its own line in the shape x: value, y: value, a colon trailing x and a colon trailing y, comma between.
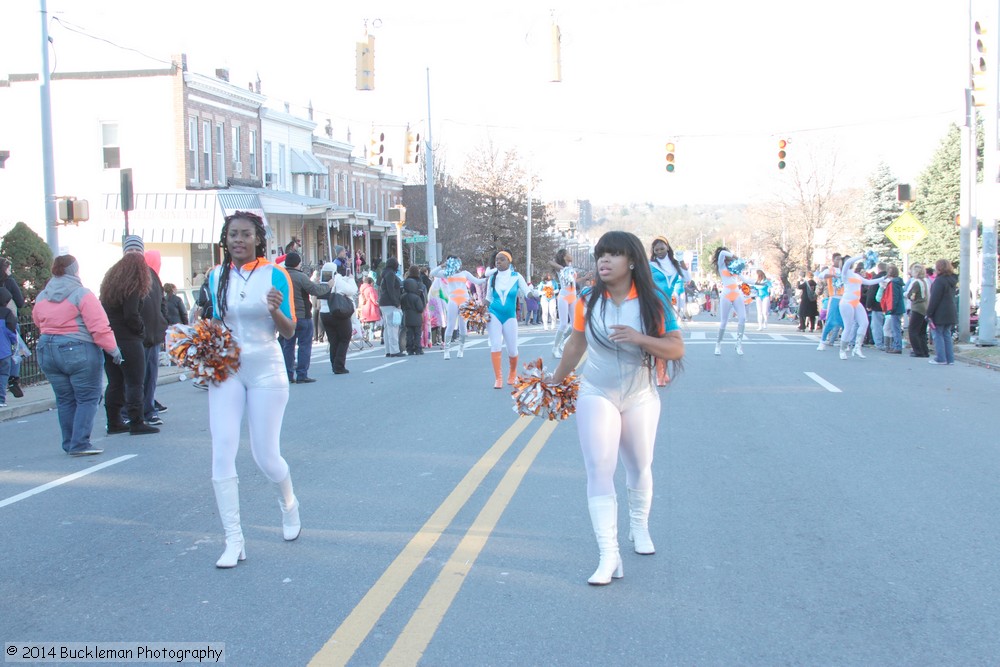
x: 880, y: 207
x: 30, y: 259
x: 937, y: 202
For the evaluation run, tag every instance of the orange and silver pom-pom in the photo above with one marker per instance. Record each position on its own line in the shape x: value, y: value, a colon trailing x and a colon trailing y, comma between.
x: 206, y: 348
x: 476, y: 314
x: 536, y: 396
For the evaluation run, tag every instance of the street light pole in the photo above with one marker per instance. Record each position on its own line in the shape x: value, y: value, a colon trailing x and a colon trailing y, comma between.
x: 48, y: 166
x: 527, y: 265
x: 429, y: 159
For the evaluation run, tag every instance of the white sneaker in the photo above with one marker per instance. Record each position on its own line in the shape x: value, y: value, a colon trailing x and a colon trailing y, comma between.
x: 821, y: 346
x: 843, y: 353
x: 858, y: 353
x: 718, y: 349
x: 739, y: 348
x: 461, y: 351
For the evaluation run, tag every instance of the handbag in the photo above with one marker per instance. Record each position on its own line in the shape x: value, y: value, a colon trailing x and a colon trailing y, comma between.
x: 341, y: 307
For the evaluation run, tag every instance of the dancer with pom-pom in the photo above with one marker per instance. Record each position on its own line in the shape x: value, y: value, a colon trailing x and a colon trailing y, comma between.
x: 622, y: 325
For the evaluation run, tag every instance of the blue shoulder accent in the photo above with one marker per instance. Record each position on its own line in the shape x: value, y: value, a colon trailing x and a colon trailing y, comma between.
x: 282, y: 282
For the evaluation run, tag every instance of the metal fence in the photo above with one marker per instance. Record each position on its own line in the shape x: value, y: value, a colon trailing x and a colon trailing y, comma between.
x: 30, y: 372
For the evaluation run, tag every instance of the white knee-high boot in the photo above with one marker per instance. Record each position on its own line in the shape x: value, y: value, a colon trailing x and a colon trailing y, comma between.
x: 557, y: 345
x: 290, y: 524
x: 227, y: 497
x: 447, y: 352
x: 639, y: 503
x: 604, y: 518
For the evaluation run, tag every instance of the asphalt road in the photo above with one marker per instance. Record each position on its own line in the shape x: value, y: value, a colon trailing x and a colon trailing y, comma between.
x: 794, y: 524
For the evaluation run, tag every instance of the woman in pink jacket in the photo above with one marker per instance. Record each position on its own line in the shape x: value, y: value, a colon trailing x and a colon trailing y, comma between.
x: 74, y: 329
x: 368, y: 310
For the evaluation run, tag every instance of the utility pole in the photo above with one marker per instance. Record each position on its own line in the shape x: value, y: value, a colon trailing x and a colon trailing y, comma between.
x: 527, y: 266
x: 48, y: 166
x: 432, y: 258
x: 988, y: 199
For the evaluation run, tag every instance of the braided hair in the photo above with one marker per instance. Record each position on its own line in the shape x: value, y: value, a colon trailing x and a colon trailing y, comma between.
x: 227, y: 259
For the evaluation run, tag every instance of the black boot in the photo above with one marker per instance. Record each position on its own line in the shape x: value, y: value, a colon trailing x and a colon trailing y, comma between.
x: 14, y: 385
x: 139, y: 427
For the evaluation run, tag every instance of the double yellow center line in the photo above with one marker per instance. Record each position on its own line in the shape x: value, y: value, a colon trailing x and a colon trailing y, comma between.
x: 417, y: 634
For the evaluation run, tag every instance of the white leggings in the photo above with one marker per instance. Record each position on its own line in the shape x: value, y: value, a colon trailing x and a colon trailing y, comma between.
x: 548, y: 307
x: 499, y: 333
x: 565, y: 316
x: 606, y: 432
x: 726, y: 308
x: 855, y: 317
x: 455, y: 320
x: 763, y: 309
x: 265, y: 410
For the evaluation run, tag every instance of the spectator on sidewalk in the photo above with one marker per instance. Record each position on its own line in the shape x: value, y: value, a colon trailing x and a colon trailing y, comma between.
x: 174, y: 305
x: 942, y: 312
x: 302, y: 286
x: 10, y: 283
x: 413, y: 301
x: 8, y: 342
x: 154, y: 317
x: 73, y: 329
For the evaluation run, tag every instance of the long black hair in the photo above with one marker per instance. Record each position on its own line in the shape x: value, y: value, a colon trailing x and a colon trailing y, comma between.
x: 715, y: 259
x: 653, y: 307
x: 227, y: 259
x: 561, y: 257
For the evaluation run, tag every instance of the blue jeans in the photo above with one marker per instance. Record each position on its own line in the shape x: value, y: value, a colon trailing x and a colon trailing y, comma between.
x: 944, y: 346
x: 5, y: 365
x: 304, y: 337
x: 73, y: 368
x: 878, y: 336
x: 896, y: 325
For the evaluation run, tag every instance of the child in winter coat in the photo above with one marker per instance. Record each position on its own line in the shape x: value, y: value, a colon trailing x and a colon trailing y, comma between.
x: 412, y: 302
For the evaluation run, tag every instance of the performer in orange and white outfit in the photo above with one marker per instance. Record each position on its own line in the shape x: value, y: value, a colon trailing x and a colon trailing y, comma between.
x: 852, y: 312
x: 567, y: 298
x: 455, y: 283
x: 730, y: 297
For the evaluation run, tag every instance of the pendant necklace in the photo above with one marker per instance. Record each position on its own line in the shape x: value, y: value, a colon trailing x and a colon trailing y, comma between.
x: 246, y: 280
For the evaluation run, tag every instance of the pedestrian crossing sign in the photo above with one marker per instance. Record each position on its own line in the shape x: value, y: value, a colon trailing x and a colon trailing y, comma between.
x: 905, y: 232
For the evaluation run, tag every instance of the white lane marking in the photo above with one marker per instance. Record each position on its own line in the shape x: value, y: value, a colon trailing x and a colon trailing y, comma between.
x: 777, y: 337
x: 823, y: 383
x: 64, y: 480
x: 698, y: 335
x: 386, y: 365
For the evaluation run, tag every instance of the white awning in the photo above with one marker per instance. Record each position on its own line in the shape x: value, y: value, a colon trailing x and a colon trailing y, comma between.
x: 304, y: 162
x: 175, y: 217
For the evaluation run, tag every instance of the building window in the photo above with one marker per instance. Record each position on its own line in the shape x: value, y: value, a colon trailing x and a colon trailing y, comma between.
x: 220, y: 152
x: 281, y: 167
x: 112, y: 150
x: 206, y: 151
x: 252, y: 153
x: 236, y: 147
x: 269, y: 179
x: 322, y: 187
x: 193, y: 148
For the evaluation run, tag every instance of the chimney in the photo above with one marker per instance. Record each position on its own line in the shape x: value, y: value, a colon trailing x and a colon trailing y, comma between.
x: 180, y: 60
x: 222, y: 73
x: 310, y: 109
x: 329, y: 128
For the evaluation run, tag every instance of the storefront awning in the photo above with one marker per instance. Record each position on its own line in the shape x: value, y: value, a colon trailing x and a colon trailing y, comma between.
x: 176, y: 217
x: 304, y: 162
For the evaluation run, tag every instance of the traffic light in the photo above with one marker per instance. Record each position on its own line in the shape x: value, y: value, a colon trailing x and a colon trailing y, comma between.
x: 978, y: 68
x: 364, y: 63
x: 670, y: 157
x: 412, y: 151
x: 782, y: 153
x: 376, y: 149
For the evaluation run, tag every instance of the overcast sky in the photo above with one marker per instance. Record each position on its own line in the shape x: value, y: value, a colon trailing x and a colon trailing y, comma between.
x: 868, y: 80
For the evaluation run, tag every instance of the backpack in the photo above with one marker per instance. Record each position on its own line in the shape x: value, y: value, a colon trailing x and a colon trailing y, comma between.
x: 341, y: 307
x: 888, y: 296
x: 810, y: 292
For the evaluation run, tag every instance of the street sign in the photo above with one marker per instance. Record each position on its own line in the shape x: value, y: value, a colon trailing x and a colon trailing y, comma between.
x: 416, y: 239
x: 905, y: 232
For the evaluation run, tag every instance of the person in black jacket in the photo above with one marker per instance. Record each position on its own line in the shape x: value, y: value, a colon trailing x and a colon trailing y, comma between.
x: 122, y: 291
x: 154, y: 317
x: 413, y: 301
x: 8, y: 282
x: 176, y: 313
x: 389, y: 294
x: 942, y: 312
x: 875, y: 309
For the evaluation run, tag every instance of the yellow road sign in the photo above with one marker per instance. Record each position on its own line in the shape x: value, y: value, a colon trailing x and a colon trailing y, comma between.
x: 905, y: 232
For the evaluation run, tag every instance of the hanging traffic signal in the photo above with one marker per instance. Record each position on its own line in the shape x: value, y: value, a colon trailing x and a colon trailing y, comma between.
x: 670, y: 157
x: 412, y: 151
x: 978, y: 67
x: 782, y: 153
x: 376, y: 149
x: 364, y: 63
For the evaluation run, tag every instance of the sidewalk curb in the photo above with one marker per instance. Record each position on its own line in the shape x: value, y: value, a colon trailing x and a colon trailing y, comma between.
x: 44, y: 401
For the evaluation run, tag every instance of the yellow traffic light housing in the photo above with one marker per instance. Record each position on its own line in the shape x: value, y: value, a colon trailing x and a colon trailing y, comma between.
x: 782, y: 153
x: 670, y: 157
x: 376, y: 149
x: 978, y: 69
x: 412, y: 151
x: 364, y: 63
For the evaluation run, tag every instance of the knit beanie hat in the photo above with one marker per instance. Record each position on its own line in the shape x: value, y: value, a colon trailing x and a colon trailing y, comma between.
x: 133, y: 242
x: 293, y: 259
